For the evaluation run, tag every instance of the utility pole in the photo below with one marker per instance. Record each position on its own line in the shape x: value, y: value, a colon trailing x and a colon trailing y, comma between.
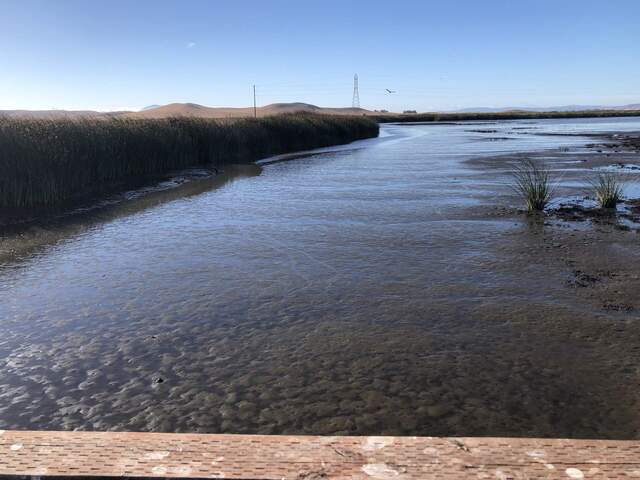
x: 255, y: 111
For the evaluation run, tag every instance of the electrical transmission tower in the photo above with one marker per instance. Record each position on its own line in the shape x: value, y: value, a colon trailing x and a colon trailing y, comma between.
x: 356, y: 94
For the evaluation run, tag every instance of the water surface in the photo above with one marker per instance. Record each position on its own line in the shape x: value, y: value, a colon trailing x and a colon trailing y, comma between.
x: 359, y: 290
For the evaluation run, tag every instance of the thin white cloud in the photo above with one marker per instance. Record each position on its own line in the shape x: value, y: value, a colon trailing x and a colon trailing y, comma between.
x: 191, y: 44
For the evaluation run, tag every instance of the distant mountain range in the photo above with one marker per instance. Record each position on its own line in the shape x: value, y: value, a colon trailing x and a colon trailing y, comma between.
x: 195, y: 110
x: 563, y: 108
x: 190, y: 110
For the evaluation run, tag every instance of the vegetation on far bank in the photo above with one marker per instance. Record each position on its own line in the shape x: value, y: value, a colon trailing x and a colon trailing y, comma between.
x: 43, y: 162
x: 511, y: 115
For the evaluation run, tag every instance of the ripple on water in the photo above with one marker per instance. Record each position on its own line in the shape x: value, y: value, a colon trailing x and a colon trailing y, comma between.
x: 353, y: 292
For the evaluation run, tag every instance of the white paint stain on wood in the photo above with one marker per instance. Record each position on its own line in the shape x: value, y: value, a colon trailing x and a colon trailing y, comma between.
x: 574, y: 473
x: 376, y: 443
x: 156, y: 455
x: 380, y: 471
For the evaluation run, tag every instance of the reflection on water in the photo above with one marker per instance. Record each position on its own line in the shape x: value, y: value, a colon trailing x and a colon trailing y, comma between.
x: 22, y: 239
x: 360, y: 290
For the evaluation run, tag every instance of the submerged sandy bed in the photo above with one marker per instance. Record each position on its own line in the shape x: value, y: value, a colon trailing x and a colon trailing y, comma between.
x: 393, y: 288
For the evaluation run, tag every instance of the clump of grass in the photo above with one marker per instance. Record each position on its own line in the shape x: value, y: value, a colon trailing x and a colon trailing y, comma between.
x: 532, y: 182
x: 43, y: 162
x: 608, y: 187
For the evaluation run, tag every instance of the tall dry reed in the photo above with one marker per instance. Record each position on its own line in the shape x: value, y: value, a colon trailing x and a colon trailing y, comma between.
x: 43, y: 162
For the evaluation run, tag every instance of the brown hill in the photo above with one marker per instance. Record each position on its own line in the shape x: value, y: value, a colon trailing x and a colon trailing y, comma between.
x: 195, y: 110
x: 187, y: 110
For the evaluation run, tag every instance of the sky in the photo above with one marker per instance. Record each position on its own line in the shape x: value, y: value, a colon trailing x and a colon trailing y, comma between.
x: 436, y: 55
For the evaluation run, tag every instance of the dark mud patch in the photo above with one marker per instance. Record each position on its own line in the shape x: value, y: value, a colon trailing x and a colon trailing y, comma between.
x: 617, y: 307
x: 581, y: 279
x: 626, y: 217
x: 617, y: 142
x: 496, y: 139
x: 633, y: 206
x: 620, y: 167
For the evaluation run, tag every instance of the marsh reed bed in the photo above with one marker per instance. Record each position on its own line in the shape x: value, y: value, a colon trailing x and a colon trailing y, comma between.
x: 509, y: 115
x: 44, y: 162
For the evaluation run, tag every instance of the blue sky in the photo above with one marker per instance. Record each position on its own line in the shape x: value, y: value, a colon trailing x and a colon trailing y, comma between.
x: 93, y: 54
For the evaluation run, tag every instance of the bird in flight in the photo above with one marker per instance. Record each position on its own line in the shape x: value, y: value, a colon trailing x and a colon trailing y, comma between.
x: 390, y: 91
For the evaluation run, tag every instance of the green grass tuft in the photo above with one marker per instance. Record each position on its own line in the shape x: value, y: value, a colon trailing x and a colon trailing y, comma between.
x: 608, y: 187
x: 532, y: 182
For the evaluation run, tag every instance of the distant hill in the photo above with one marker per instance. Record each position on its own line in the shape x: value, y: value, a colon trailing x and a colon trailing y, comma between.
x: 195, y: 110
x: 563, y: 108
x: 189, y: 110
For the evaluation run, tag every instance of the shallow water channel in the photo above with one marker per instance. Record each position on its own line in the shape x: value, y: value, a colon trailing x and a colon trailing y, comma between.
x: 358, y: 290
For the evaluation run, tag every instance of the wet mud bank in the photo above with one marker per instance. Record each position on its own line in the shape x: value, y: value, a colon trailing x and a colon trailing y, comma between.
x: 588, y: 262
x: 573, y: 207
x: 572, y: 170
